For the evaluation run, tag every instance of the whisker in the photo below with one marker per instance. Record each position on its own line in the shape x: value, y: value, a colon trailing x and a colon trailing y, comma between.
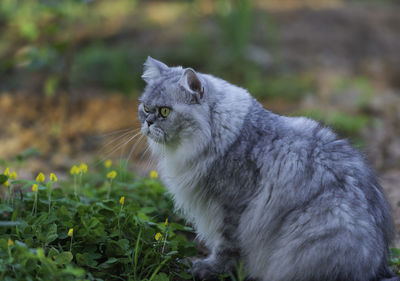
x: 150, y: 162
x: 119, y: 146
x: 144, y: 153
x: 133, y: 148
x: 117, y: 138
x: 116, y: 132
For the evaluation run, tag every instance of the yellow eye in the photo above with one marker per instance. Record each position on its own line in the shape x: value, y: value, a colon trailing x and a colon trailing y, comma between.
x: 164, y: 111
x: 145, y: 108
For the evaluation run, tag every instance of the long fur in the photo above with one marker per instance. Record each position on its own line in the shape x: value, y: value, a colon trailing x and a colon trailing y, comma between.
x: 283, y: 194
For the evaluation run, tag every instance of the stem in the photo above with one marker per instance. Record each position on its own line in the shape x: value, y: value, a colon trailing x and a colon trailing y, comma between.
x: 34, y: 208
x: 48, y: 187
x: 70, y: 245
x: 36, y: 203
x: 119, y: 215
x: 12, y: 194
x: 49, y: 201
x: 75, y: 188
x: 109, y: 189
x: 165, y: 241
x: 136, y: 256
x: 158, y: 268
x: 9, y: 253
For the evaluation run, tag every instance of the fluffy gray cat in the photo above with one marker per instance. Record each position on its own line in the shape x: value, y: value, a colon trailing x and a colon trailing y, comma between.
x: 282, y: 194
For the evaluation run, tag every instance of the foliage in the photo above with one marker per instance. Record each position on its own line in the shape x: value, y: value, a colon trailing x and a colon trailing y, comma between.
x: 286, y: 87
x: 395, y: 260
x: 107, y: 68
x: 73, y: 44
x: 360, y: 85
x: 349, y: 125
x: 45, y: 36
x: 73, y: 231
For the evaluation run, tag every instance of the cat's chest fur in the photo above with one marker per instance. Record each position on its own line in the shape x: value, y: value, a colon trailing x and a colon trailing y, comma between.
x: 185, y: 182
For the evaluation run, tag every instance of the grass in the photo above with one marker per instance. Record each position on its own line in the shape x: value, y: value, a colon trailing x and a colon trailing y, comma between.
x: 74, y: 232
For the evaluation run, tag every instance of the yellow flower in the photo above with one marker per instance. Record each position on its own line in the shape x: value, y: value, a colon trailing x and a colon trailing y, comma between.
x: 53, y: 177
x: 13, y: 176
x: 6, y: 172
x: 35, y: 187
x: 74, y: 170
x: 111, y: 175
x: 108, y: 163
x: 6, y: 183
x: 122, y: 200
x: 153, y: 175
x: 40, y: 177
x: 166, y: 222
x: 70, y: 232
x: 10, y: 242
x: 83, y: 168
x: 158, y: 236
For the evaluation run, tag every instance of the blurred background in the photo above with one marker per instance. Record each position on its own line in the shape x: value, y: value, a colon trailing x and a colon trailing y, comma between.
x: 70, y: 71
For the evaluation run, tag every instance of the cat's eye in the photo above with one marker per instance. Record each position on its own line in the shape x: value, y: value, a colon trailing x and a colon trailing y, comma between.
x: 146, y: 109
x: 164, y: 111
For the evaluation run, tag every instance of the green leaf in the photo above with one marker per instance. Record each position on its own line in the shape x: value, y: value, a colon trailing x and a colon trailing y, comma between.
x: 161, y: 277
x: 8, y: 223
x: 185, y: 275
x: 53, y: 253
x: 29, y: 30
x: 3, y: 244
x: 30, y: 152
x: 3, y: 178
x: 40, y: 253
x: 51, y: 85
x: 143, y: 216
x: 148, y: 210
x: 63, y: 214
x: 117, y: 248
x: 172, y: 253
x: 77, y: 272
x: 86, y: 259
x: 51, y: 234
x: 64, y: 258
x: 108, y: 263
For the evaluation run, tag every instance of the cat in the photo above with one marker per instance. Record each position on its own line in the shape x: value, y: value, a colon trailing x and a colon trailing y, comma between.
x: 284, y: 195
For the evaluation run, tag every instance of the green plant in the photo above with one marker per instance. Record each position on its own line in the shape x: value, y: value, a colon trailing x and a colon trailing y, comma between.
x: 349, y: 125
x: 107, y: 68
x: 88, y: 236
x: 360, y: 84
x: 235, y: 18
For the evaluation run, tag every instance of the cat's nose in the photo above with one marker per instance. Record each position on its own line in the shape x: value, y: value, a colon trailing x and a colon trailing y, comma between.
x: 149, y: 122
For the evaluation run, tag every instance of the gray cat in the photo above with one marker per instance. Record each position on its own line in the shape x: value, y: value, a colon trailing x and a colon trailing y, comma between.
x: 284, y: 195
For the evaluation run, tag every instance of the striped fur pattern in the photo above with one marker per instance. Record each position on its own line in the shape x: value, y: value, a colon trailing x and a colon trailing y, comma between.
x: 284, y: 195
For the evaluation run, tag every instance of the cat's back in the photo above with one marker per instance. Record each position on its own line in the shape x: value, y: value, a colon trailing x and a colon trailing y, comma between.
x: 316, y: 192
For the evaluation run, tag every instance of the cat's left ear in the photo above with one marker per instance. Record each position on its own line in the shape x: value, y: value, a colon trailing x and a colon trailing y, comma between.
x: 191, y: 82
x: 153, y: 69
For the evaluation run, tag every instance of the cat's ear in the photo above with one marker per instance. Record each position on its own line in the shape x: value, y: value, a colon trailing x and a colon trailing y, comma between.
x: 191, y: 82
x: 153, y: 69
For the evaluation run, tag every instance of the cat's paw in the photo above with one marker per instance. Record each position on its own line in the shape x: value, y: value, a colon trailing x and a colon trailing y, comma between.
x: 205, y: 270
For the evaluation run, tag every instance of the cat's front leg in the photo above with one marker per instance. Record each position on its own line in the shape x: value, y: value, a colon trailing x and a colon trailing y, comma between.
x: 222, y: 260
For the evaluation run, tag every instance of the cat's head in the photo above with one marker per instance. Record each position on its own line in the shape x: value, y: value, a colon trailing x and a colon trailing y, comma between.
x: 173, y: 107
